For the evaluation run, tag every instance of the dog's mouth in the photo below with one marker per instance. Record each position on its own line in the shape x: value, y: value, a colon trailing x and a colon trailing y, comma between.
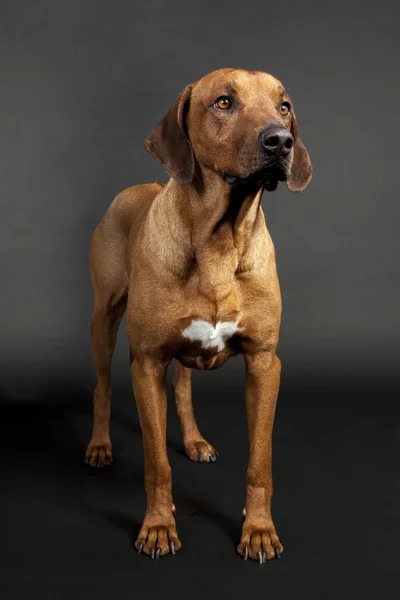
x: 266, y: 175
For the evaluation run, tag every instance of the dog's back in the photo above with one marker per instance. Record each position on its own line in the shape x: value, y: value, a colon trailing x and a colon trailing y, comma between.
x: 127, y: 209
x: 114, y: 235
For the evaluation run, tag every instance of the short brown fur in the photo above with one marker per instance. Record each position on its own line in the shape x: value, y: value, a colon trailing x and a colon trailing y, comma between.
x: 195, y: 248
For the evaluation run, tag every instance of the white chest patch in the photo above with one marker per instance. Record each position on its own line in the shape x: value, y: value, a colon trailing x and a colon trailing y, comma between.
x: 208, y: 335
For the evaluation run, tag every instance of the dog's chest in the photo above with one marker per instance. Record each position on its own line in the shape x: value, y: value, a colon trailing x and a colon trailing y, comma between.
x: 210, y: 336
x: 208, y: 344
x: 211, y: 327
x: 211, y: 330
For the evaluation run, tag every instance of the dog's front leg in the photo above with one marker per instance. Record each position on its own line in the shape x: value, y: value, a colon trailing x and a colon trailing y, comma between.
x: 259, y: 538
x: 158, y: 534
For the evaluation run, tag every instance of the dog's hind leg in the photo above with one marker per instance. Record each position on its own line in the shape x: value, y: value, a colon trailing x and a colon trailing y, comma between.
x: 110, y: 282
x: 197, y: 448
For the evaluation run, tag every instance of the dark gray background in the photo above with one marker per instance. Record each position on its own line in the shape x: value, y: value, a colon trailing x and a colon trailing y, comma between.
x: 82, y: 84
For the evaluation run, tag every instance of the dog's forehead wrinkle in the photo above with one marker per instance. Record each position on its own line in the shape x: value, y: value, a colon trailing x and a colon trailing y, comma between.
x: 237, y: 78
x: 228, y: 88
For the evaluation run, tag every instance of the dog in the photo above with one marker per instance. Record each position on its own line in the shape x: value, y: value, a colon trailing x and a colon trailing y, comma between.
x: 194, y: 265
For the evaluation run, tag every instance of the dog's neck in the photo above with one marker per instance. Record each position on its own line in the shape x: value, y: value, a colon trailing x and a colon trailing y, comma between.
x: 210, y: 225
x: 222, y: 215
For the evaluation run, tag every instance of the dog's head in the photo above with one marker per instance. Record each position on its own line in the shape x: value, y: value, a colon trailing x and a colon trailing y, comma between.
x: 239, y: 124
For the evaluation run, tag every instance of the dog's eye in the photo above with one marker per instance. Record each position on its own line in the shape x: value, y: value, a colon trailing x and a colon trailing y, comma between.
x: 223, y: 102
x: 284, y: 109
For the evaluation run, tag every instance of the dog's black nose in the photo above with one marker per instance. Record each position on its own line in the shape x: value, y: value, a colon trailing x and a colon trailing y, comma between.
x: 277, y: 139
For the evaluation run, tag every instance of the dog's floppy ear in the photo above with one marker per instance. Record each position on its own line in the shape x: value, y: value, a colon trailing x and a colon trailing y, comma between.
x: 169, y: 144
x: 301, y: 169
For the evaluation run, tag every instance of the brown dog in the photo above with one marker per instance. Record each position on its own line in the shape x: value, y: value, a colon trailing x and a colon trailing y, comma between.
x: 195, y: 265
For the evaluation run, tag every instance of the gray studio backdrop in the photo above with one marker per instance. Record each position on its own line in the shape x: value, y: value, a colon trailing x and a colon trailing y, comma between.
x: 83, y: 82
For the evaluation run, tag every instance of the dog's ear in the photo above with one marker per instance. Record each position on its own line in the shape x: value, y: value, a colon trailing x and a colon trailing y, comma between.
x: 168, y: 142
x: 301, y: 169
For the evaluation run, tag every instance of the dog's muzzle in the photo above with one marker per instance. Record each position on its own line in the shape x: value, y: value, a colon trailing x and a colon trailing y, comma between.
x: 275, y: 146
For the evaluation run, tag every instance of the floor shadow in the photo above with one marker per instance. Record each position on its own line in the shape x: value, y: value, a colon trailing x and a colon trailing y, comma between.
x: 136, y: 428
x: 128, y: 526
x: 231, y: 527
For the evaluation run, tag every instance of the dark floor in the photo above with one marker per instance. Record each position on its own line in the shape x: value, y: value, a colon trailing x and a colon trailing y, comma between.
x: 67, y: 529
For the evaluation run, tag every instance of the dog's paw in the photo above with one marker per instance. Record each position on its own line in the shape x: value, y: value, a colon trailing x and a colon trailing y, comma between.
x: 158, y: 540
x: 201, y: 451
x: 260, y: 542
x: 98, y: 453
